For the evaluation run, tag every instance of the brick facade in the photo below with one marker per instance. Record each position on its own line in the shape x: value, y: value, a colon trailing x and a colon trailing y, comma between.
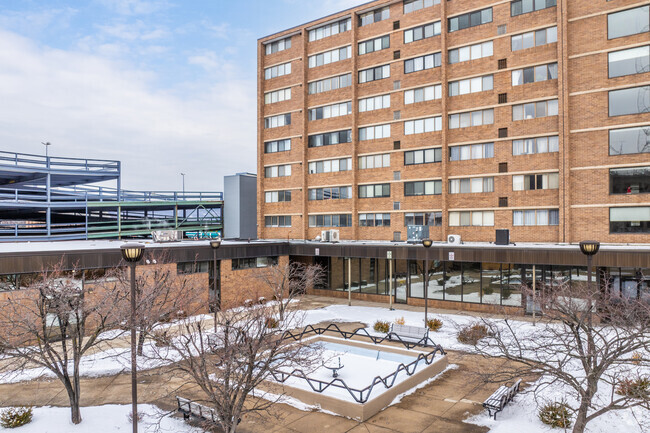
x: 583, y: 160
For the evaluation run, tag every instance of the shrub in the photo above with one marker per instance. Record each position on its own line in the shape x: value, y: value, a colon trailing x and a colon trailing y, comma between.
x: 381, y: 326
x: 140, y: 417
x: 160, y: 337
x: 471, y: 334
x: 434, y: 324
x: 262, y: 300
x: 555, y: 414
x: 15, y: 417
x: 271, y: 322
x: 634, y: 388
x: 400, y: 321
x: 506, y: 292
x: 488, y: 290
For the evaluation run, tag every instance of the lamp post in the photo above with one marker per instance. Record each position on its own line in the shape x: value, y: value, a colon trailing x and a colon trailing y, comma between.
x: 183, y: 175
x: 589, y: 249
x: 132, y: 254
x: 47, y: 144
x: 215, y: 244
x: 427, y: 244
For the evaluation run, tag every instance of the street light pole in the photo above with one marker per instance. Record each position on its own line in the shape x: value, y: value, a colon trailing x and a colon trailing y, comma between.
x: 215, y: 244
x: 183, y: 174
x: 132, y: 254
x: 47, y: 144
x: 427, y: 244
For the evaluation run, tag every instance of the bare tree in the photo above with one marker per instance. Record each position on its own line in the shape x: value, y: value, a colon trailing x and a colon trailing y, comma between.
x: 54, y: 322
x: 162, y: 293
x: 589, y: 342
x: 230, y: 364
x: 289, y: 282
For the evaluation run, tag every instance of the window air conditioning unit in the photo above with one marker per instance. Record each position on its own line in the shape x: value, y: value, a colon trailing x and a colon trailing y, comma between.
x: 454, y: 239
x: 325, y: 236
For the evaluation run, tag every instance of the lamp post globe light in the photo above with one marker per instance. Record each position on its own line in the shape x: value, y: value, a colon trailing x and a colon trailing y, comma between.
x: 215, y: 244
x: 132, y: 254
x: 427, y: 244
x: 589, y: 248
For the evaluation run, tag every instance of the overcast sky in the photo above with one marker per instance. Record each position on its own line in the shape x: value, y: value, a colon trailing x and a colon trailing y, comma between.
x: 165, y: 86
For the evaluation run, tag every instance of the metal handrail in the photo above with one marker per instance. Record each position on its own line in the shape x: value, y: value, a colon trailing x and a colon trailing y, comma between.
x: 31, y: 160
x: 359, y: 395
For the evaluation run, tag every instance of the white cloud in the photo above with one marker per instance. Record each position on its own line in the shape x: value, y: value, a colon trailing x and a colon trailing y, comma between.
x: 135, y: 7
x: 88, y: 106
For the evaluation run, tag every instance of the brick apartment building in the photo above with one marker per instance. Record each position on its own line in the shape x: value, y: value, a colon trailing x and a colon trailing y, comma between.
x: 466, y: 116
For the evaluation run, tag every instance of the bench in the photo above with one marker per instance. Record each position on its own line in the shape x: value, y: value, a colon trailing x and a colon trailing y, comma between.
x: 502, y: 396
x: 417, y: 333
x: 191, y: 409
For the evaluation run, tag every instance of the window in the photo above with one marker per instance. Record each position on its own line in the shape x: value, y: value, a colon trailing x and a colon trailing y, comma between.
x: 471, y: 218
x: 629, y: 62
x: 534, y: 110
x: 277, y: 221
x: 373, y: 45
x: 374, y: 132
x: 254, y: 262
x: 422, y: 32
x: 375, y: 103
x: 423, y: 156
x: 374, y: 220
x: 336, y: 193
x: 530, y: 146
x: 329, y: 111
x: 471, y: 52
x: 330, y: 30
x: 414, y: 5
x: 373, y: 191
x: 277, y: 121
x: 330, y: 166
x: 278, y: 171
x: 328, y: 84
x: 277, y: 196
x: 277, y: 46
x: 473, y: 185
x: 429, y: 61
x: 431, y: 219
x: 471, y: 151
x: 330, y: 138
x: 193, y: 267
x: 374, y: 161
x: 629, y: 101
x: 328, y: 57
x: 426, y: 187
x: 344, y: 220
x: 530, y: 182
x: 471, y: 19
x: 629, y: 220
x: 422, y: 126
x: 471, y: 85
x: 277, y: 146
x: 374, y: 16
x: 374, y: 74
x: 542, y: 217
x: 534, y: 74
x: 629, y: 141
x: 277, y: 96
x: 519, y: 7
x: 534, y: 39
x: 422, y: 94
x: 635, y: 180
x: 629, y: 22
x: 472, y: 118
x: 277, y: 71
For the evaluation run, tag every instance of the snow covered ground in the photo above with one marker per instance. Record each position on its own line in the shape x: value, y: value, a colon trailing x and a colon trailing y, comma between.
x: 104, y: 419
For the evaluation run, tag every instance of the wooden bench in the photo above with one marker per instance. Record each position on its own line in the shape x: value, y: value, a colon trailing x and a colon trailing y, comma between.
x: 502, y: 396
x: 419, y: 334
x: 191, y: 409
